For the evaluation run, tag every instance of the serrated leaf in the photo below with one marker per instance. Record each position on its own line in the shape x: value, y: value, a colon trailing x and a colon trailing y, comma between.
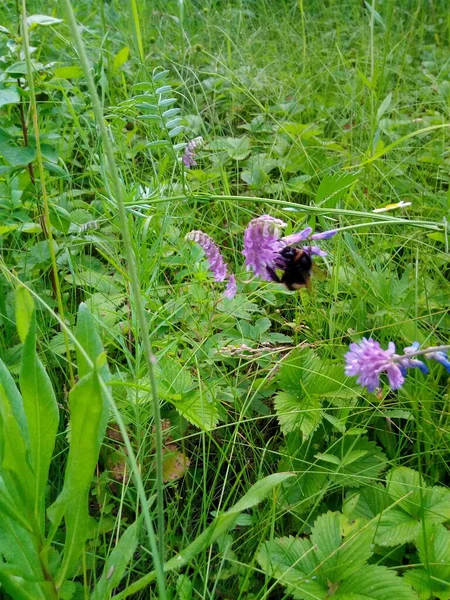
x: 404, y: 486
x: 333, y: 187
x: 397, y: 527
x: 198, y: 411
x: 294, y: 414
x: 368, y: 502
x: 374, y: 582
x: 434, y: 552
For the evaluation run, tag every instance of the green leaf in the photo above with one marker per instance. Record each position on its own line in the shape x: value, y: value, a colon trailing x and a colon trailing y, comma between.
x: 384, y: 107
x: 70, y: 72
x: 397, y: 527
x: 87, y: 335
x: 87, y: 410
x: 9, y: 95
x: 16, y: 156
x: 117, y: 562
x: 297, y: 414
x: 333, y: 187
x: 338, y: 558
x: 42, y: 414
x: 121, y: 57
x: 197, y: 410
x: 434, y: 552
x: 24, y: 311
x: 373, y: 582
x: 15, y: 400
x: 368, y: 502
x: 14, y: 464
x: 404, y: 486
x: 333, y: 563
x: 36, y: 20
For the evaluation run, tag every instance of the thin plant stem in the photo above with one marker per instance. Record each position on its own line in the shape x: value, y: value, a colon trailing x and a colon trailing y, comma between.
x: 158, y: 552
x: 39, y: 159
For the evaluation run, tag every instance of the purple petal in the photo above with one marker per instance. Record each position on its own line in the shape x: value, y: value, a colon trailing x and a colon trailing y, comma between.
x: 441, y: 357
x: 315, y: 250
x: 325, y: 235
x: 295, y: 238
x: 231, y: 289
x: 395, y: 376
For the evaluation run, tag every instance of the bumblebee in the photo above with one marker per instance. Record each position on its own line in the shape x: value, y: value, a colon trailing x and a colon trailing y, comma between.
x: 296, y: 265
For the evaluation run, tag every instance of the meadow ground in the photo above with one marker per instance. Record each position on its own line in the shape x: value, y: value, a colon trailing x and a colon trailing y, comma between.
x: 157, y: 438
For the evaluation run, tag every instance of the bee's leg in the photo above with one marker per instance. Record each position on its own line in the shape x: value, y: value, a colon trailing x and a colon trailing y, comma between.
x: 273, y: 275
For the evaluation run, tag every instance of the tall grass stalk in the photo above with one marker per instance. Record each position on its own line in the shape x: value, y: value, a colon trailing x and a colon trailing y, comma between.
x: 40, y: 162
x: 158, y: 552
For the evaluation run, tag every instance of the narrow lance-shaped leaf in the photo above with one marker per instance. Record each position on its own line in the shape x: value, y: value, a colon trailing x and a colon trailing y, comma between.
x: 117, y: 562
x: 41, y: 410
x: 87, y: 408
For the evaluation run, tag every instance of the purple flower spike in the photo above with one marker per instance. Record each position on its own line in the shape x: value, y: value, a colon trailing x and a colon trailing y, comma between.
x: 325, y: 235
x: 367, y: 360
x: 189, y: 152
x: 212, y: 253
x: 231, y: 289
x: 262, y: 245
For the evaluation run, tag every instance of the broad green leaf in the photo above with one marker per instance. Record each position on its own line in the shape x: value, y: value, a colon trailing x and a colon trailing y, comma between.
x: 360, y: 461
x: 436, y: 504
x: 24, y: 311
x: 117, y: 562
x: 368, y: 502
x: 294, y: 413
x: 87, y: 410
x: 184, y: 587
x: 397, y: 527
x: 374, y: 582
x: 340, y: 556
x: 16, y: 156
x: 434, y: 552
x: 333, y: 563
x: 42, y: 414
x: 406, y: 487
x: 20, y: 568
x: 9, y: 95
x: 293, y: 563
x: 121, y: 57
x: 197, y: 410
x: 72, y: 72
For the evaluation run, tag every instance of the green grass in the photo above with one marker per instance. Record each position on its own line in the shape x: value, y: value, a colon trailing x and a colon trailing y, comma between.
x: 314, y: 112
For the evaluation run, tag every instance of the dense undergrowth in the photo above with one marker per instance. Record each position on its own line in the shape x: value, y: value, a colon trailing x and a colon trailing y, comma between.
x: 174, y: 443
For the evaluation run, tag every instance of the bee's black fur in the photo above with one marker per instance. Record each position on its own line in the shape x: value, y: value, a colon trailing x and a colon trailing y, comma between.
x: 296, y: 269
